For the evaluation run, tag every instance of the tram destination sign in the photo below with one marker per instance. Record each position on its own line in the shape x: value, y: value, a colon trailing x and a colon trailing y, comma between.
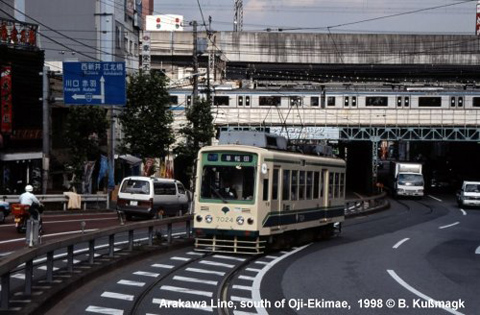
x: 94, y: 83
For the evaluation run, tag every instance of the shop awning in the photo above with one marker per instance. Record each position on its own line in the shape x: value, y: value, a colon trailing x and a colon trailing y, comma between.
x: 130, y: 159
x: 20, y: 156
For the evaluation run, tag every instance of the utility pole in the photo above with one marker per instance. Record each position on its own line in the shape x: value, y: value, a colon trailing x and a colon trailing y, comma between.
x: 195, y: 61
x: 46, y: 130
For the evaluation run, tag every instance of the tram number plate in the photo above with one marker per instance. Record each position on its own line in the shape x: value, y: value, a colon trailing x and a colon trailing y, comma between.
x: 224, y: 219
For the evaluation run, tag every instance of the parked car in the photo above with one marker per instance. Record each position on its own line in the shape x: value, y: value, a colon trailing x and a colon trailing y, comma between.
x: 152, y: 197
x: 469, y: 194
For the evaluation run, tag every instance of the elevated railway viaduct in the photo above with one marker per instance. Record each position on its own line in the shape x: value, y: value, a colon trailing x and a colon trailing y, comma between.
x: 397, y: 95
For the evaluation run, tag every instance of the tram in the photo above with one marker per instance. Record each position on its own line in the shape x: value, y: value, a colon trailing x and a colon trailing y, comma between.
x: 252, y: 194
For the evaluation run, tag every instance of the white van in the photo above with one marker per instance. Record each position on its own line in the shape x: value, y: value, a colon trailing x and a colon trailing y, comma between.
x: 152, y: 196
x: 469, y: 194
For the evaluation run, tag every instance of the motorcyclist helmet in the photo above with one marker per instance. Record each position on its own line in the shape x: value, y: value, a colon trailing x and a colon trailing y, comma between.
x: 29, y: 188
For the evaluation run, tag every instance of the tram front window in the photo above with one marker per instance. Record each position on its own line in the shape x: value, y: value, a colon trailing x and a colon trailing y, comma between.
x: 228, y: 183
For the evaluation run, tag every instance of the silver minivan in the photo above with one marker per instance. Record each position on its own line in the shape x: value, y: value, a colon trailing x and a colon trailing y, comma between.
x: 469, y: 194
x: 152, y: 196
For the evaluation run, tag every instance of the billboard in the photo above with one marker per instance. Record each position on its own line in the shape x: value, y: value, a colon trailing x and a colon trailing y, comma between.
x: 164, y: 22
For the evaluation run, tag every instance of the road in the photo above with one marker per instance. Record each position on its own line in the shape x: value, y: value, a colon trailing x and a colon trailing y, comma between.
x: 419, y: 257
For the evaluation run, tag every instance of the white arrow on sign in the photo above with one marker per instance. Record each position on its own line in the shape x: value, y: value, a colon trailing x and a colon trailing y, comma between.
x: 89, y: 96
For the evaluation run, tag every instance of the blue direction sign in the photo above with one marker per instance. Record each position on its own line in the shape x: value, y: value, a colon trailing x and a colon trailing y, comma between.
x: 94, y: 83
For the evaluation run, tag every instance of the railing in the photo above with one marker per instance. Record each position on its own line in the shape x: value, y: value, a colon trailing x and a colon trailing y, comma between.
x: 63, y: 199
x: 24, y: 259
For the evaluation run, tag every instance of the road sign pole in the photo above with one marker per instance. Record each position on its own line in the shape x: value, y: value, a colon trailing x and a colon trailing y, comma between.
x: 46, y: 131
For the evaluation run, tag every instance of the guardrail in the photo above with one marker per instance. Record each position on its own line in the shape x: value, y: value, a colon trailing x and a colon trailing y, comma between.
x: 63, y: 199
x: 24, y: 259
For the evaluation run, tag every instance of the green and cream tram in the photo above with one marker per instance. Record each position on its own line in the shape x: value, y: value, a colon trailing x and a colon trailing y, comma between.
x: 248, y: 198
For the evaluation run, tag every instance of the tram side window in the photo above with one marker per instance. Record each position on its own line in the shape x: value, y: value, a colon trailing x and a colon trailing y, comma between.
x: 316, y: 184
x: 331, y: 101
x: 337, y: 185
x: 309, y: 184
x: 301, y: 185
x: 265, y: 189
x: 426, y: 101
x: 269, y: 100
x: 294, y: 185
x: 342, y: 185
x: 330, y: 185
x: 275, y: 185
x: 286, y: 185
x: 314, y: 101
x: 476, y: 102
x: 322, y: 183
x: 221, y: 100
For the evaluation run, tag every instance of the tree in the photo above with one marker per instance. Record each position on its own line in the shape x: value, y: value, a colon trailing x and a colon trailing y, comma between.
x: 146, y: 119
x: 197, y: 133
x: 86, y: 129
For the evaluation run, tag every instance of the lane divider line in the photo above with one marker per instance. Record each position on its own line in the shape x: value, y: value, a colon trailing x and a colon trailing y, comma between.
x: 449, y: 225
x: 397, y: 245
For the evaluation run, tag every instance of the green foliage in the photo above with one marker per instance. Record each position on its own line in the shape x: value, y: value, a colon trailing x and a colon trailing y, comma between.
x: 198, y: 132
x: 146, y: 119
x: 86, y: 129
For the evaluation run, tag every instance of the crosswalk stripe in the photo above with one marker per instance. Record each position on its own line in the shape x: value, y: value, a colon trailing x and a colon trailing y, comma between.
x: 118, y: 296
x: 185, y: 290
x: 104, y: 310
x: 131, y: 283
x: 212, y: 272
x: 195, y: 280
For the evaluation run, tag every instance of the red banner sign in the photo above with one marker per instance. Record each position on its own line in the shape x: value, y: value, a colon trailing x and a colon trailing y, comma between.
x: 6, y: 100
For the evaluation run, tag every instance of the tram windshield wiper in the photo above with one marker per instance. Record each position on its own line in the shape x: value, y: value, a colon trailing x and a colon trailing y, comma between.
x: 219, y: 195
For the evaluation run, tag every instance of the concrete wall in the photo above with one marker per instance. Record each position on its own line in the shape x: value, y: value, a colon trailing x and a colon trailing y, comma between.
x: 304, y: 48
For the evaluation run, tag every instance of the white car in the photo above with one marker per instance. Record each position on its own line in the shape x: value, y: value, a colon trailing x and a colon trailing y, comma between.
x: 469, y: 194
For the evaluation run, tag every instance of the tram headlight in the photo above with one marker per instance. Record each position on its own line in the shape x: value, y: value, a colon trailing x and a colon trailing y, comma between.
x: 240, y: 220
x: 208, y: 218
x: 199, y: 218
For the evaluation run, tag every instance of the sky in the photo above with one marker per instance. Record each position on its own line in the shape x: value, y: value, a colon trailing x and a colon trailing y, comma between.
x: 336, y: 16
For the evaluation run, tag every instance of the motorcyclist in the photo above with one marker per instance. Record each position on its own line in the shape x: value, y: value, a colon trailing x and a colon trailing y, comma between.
x: 36, y: 207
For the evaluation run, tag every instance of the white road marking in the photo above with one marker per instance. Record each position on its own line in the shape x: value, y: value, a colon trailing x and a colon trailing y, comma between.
x: 45, y: 235
x: 434, y: 198
x: 195, y: 280
x: 235, y: 312
x: 180, y: 258
x: 118, y: 296
x: 196, y: 306
x: 416, y: 292
x: 195, y: 253
x: 253, y: 269
x: 214, y: 263
x: 131, y: 283
x: 104, y: 310
x: 218, y: 273
x: 163, y: 266
x: 400, y: 243
x: 262, y: 262
x: 271, y: 257
x: 258, y: 279
x: 186, y: 290
x: 449, y: 225
x: 463, y: 212
x: 242, y: 287
x: 146, y: 274
x: 246, y: 278
x: 477, y: 251
x: 240, y: 299
x: 229, y: 257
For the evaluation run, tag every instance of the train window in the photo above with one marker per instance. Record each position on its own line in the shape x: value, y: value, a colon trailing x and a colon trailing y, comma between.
x: 460, y: 101
x: 376, y: 101
x: 247, y: 100
x: 399, y: 101
x: 173, y: 99
x: 337, y: 185
x: 407, y: 101
x: 322, y: 182
x: 331, y: 101
x: 309, y: 185
x: 269, y: 100
x: 265, y: 189
x: 314, y: 101
x: 342, y: 185
x: 330, y: 185
x: 189, y: 100
x: 224, y: 182
x: 347, y: 100
x: 221, y: 100
x: 316, y: 184
x: 301, y: 185
x: 275, y: 185
x: 476, y: 102
x: 286, y: 185
x: 354, y: 101
x: 240, y: 101
x: 429, y: 101
x: 294, y: 185
x: 452, y: 101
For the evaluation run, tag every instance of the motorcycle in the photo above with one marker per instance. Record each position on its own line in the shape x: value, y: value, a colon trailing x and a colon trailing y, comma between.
x: 4, y: 209
x: 22, y: 213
